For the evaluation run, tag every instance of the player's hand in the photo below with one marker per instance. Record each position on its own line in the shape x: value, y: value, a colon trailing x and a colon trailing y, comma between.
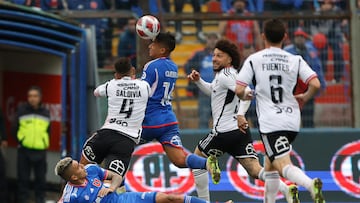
x: 104, y: 191
x: 194, y: 76
x: 242, y: 123
x: 301, y: 99
x: 248, y: 95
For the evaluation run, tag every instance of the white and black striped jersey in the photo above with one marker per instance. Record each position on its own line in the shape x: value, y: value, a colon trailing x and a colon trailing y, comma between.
x: 274, y: 73
x: 127, y: 100
x: 224, y: 102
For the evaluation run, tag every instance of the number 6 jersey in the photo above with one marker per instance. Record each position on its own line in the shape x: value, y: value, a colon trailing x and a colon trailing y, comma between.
x: 127, y: 100
x: 274, y: 73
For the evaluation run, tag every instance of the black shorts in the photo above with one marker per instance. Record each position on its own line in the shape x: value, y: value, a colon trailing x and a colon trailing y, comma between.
x: 278, y: 143
x: 235, y: 143
x: 113, y: 147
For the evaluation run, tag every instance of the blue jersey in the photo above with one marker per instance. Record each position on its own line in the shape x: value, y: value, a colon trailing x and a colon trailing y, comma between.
x: 88, y: 192
x: 161, y: 74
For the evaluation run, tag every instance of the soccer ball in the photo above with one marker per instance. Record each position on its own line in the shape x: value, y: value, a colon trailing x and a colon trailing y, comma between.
x: 148, y: 27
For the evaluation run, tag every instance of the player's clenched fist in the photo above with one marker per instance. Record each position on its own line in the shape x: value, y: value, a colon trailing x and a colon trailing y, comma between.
x: 194, y: 76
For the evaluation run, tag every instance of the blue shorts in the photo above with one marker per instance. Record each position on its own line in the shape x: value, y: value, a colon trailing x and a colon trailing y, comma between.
x: 168, y: 135
x: 143, y: 197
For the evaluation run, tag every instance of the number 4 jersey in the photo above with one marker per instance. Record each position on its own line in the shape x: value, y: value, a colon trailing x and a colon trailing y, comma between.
x: 127, y: 100
x: 274, y: 73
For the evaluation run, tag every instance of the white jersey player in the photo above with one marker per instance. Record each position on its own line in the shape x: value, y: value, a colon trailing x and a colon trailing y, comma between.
x: 228, y: 116
x: 274, y: 73
x: 127, y: 99
x: 116, y: 139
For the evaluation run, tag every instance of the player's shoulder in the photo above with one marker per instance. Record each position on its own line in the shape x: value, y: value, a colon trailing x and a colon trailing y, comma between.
x: 227, y: 73
x: 152, y: 63
x: 89, y: 167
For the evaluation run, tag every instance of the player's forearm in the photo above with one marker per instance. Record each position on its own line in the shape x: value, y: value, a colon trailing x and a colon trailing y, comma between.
x: 115, y: 180
x: 313, y: 88
x: 205, y: 87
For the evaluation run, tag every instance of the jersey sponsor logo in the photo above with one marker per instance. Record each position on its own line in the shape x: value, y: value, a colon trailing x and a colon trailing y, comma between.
x: 249, y: 187
x: 117, y: 166
x: 152, y: 171
x: 119, y: 122
x: 345, y: 168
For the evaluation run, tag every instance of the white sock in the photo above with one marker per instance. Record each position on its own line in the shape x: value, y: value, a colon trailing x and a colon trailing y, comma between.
x: 261, y: 174
x: 296, y: 175
x: 272, y: 184
x: 283, y: 187
x: 202, y: 183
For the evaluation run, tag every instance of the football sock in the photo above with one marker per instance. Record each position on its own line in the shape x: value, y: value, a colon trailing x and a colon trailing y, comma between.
x: 190, y: 199
x: 272, y: 184
x: 202, y: 183
x: 194, y: 161
x: 296, y: 175
x: 283, y: 187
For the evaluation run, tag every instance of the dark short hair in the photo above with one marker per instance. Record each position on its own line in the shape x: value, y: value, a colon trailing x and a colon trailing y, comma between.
x: 274, y: 30
x: 231, y: 49
x: 167, y: 40
x: 123, y: 65
x: 36, y: 88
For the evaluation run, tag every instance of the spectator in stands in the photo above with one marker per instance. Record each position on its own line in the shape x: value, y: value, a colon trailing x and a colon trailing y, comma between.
x: 42, y: 4
x: 127, y: 42
x: 51, y: 5
x: 130, y: 5
x: 332, y: 29
x: 302, y: 45
x: 31, y: 128
x: 101, y: 26
x: 201, y: 61
x: 243, y: 32
x: 256, y: 6
x: 179, y: 5
x: 284, y: 5
x: 3, y: 145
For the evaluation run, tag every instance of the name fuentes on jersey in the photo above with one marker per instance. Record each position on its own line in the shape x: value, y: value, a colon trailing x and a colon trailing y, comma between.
x: 277, y: 64
x: 124, y: 92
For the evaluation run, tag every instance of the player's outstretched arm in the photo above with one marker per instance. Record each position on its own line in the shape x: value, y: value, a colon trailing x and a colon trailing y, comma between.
x: 115, y: 183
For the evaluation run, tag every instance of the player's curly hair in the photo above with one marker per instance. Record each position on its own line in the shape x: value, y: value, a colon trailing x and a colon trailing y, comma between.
x: 231, y: 49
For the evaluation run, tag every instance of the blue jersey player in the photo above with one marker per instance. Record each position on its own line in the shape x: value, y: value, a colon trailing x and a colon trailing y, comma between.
x: 160, y: 122
x: 85, y: 184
